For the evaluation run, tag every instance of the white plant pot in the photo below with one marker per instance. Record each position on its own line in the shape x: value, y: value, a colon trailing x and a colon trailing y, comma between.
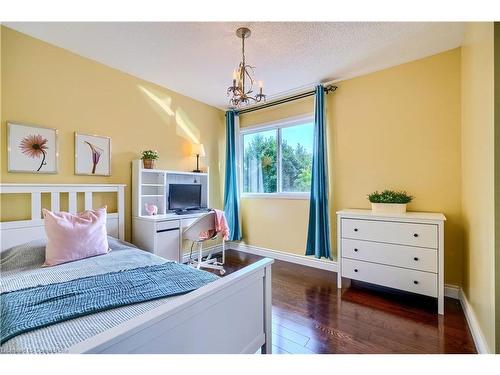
x: 389, y: 208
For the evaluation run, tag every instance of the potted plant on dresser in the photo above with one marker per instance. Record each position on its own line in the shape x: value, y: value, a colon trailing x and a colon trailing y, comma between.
x: 148, y: 158
x: 389, y: 201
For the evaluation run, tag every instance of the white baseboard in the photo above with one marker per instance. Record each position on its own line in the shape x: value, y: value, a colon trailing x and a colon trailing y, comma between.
x: 287, y: 257
x: 215, y: 249
x: 452, y: 291
x: 477, y: 334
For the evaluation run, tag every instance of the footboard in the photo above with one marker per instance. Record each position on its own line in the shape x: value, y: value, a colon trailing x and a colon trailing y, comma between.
x: 230, y: 315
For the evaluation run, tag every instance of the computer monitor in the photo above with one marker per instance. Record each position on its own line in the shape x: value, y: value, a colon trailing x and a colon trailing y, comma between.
x: 184, y: 196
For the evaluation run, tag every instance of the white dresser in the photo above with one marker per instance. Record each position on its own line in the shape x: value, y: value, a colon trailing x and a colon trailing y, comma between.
x: 401, y: 251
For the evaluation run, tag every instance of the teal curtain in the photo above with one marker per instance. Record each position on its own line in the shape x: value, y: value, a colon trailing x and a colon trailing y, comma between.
x: 231, y: 196
x: 318, y: 234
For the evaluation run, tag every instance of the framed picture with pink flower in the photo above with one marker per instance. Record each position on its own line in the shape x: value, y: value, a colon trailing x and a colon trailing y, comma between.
x: 31, y: 148
x: 92, y: 155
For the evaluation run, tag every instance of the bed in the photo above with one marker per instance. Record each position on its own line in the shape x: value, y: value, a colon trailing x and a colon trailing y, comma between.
x: 229, y: 315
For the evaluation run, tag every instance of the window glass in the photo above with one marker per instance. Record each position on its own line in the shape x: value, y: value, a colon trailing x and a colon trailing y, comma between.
x: 296, y: 157
x: 260, y: 162
x: 278, y: 159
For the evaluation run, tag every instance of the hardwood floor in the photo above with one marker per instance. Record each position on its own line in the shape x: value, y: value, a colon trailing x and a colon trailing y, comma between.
x: 310, y: 315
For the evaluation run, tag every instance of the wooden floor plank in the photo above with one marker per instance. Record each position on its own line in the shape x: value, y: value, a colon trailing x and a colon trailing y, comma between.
x: 311, y: 315
x: 290, y: 346
x: 290, y: 334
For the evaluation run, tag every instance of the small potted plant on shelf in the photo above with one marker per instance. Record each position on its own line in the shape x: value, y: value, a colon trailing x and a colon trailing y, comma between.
x: 389, y: 201
x: 148, y: 158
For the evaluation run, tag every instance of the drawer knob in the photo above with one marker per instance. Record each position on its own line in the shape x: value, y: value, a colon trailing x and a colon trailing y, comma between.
x: 415, y: 259
x: 355, y: 270
x: 415, y: 234
x: 415, y: 282
x: 356, y: 250
x: 355, y: 229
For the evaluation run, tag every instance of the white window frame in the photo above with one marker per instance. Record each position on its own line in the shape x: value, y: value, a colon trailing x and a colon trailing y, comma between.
x: 274, y: 125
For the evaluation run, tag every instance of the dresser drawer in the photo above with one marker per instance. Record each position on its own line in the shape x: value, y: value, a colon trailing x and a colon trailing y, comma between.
x: 393, y: 277
x: 412, y: 234
x: 393, y: 255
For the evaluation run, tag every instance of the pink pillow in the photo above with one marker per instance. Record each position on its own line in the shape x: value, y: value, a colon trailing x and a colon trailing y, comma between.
x: 74, y: 236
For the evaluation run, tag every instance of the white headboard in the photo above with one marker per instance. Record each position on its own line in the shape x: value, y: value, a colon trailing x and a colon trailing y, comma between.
x: 18, y: 232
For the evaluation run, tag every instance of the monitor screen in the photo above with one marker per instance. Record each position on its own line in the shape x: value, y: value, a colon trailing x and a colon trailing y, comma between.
x: 183, y: 196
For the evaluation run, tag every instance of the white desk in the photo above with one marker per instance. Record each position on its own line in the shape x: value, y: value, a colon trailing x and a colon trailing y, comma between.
x: 162, y: 234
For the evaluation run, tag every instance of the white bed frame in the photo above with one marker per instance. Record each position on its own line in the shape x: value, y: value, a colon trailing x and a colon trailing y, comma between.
x: 230, y: 315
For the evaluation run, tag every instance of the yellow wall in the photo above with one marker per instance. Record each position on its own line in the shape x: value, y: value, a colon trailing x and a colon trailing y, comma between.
x: 397, y: 128
x: 46, y: 85
x: 497, y: 185
x: 478, y: 174
x: 1, y: 155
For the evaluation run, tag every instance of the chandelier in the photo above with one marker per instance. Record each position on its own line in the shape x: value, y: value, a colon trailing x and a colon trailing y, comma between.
x: 241, y: 91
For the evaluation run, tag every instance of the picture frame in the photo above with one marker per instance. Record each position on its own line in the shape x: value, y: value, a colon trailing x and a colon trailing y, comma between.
x: 92, y: 155
x: 31, y: 148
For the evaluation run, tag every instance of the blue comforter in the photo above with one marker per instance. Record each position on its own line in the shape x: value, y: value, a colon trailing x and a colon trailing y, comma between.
x: 24, y: 310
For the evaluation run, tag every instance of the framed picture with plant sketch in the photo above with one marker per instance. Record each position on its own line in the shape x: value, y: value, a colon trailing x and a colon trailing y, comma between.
x: 92, y: 155
x: 31, y: 148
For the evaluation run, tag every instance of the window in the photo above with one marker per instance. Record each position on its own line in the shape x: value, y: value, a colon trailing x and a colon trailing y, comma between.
x: 277, y: 158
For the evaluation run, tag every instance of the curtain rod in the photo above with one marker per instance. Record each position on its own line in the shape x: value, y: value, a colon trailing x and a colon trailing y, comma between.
x: 328, y: 89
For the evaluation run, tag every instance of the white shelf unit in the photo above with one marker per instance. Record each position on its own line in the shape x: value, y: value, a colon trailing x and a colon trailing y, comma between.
x: 151, y: 186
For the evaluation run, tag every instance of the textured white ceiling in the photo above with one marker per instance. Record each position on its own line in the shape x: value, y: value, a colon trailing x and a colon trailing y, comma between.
x: 197, y: 58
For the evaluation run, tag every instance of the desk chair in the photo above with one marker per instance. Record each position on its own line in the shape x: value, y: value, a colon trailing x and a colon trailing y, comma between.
x: 204, y: 224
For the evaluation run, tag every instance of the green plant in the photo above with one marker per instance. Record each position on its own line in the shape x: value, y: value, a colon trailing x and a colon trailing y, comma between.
x: 390, y: 196
x: 149, y: 155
